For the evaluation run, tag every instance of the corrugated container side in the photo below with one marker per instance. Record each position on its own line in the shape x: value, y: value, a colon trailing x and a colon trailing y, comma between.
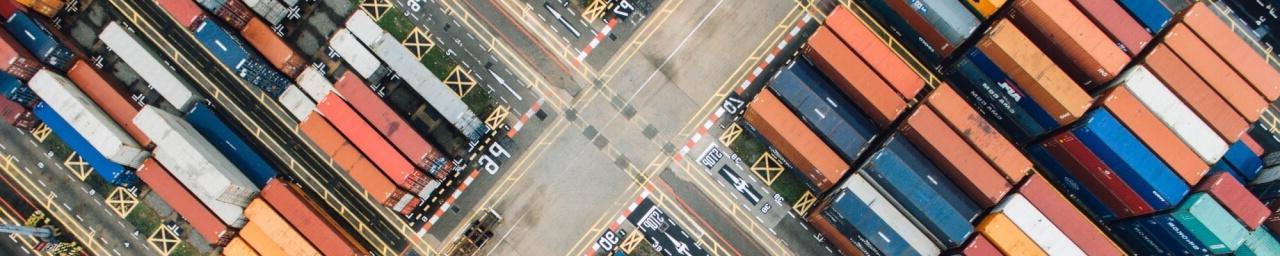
x: 1150, y: 13
x: 864, y: 42
x: 984, y: 8
x: 16, y: 115
x: 994, y: 94
x: 1157, y: 137
x: 1064, y: 33
x: 107, y: 95
x: 897, y: 25
x: 981, y: 135
x: 1072, y: 188
x: 1210, y: 223
x: 1173, y: 113
x: 1248, y: 63
x: 842, y: 215
x: 1197, y: 95
x: 824, y: 108
x: 893, y: 218
x: 1201, y: 59
x: 280, y: 54
x: 185, y: 12
x: 1243, y: 161
x: 198, y: 165
x: 15, y: 59
x: 278, y: 229
x: 80, y: 111
x: 347, y: 157
x: 797, y: 143
x: 852, y: 76
x: 1046, y: 235
x: 919, y: 24
x: 314, y: 83
x: 14, y: 90
x: 238, y: 247
x: 228, y: 49
x: 182, y: 201
x: 1236, y: 199
x: 159, y: 76
x: 112, y: 172
x: 1252, y: 144
x: 234, y: 13
x: 1260, y: 242
x: 40, y: 41
x: 948, y: 17
x: 212, y: 5
x: 1112, y: 19
x: 271, y: 10
x: 374, y: 146
x: 429, y: 87
x: 297, y: 102
x: 1030, y: 68
x: 48, y: 8
x: 979, y: 245
x: 359, y: 58
x: 831, y: 235
x: 1096, y: 176
x: 390, y: 124
x: 310, y: 219
x: 260, y: 240
x: 1006, y: 236
x: 922, y: 192
x: 231, y: 144
x: 1069, y: 219
x: 1133, y: 162
x: 955, y: 158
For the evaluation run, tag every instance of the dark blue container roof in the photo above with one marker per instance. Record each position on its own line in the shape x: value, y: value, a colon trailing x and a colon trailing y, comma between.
x: 230, y: 144
x: 113, y: 173
x: 1131, y: 160
x: 824, y: 108
x: 922, y: 191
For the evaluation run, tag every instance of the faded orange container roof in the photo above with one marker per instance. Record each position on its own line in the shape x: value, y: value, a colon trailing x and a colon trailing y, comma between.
x: 797, y: 143
x: 237, y: 247
x: 186, y: 12
x: 1007, y: 237
x: 310, y: 220
x: 182, y: 201
x: 345, y: 156
x: 890, y: 66
x: 375, y: 147
x: 984, y: 137
x: 1082, y: 50
x: 1238, y: 53
x: 105, y: 93
x: 274, y: 225
x: 260, y: 240
x: 1195, y: 93
x: 1158, y: 137
x: 955, y: 158
x: 1215, y: 72
x: 279, y: 53
x: 853, y: 77
x: 1047, y: 84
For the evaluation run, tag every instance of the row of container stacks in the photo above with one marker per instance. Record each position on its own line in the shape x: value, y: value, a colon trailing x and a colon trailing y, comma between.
x: 1069, y: 124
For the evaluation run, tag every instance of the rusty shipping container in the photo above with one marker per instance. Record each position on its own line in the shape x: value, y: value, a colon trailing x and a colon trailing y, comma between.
x: 184, y: 11
x: 883, y: 60
x: 48, y: 8
x: 835, y: 238
x: 1215, y: 72
x: 1109, y: 16
x: 813, y: 158
x: 310, y: 220
x: 966, y: 121
x: 372, y: 144
x: 1195, y: 93
x: 275, y: 226
x: 1152, y: 132
x: 1026, y: 65
x: 280, y: 54
x: 960, y: 162
x: 1063, y: 32
x: 184, y: 203
x: 104, y: 91
x: 390, y: 124
x: 258, y: 238
x: 1007, y: 237
x: 15, y: 59
x: 1236, y: 199
x: 1235, y: 50
x: 347, y: 157
x: 1078, y: 227
x: 238, y: 247
x: 853, y: 77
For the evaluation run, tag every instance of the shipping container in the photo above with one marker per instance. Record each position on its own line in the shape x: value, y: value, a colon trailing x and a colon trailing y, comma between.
x: 800, y: 146
x: 1210, y: 223
x: 40, y: 41
x: 864, y: 215
x: 310, y: 220
x: 258, y: 238
x: 1150, y: 13
x: 242, y: 60
x: 1046, y: 235
x: 429, y: 87
x: 1123, y: 30
x: 1067, y: 36
x: 1260, y: 242
x: 1236, y: 199
x: 201, y: 218
x: 231, y: 144
x: 831, y: 116
x: 279, y: 230
x: 186, y: 13
x: 111, y: 172
x: 1072, y: 187
x: 238, y: 247
x: 80, y: 112
x: 1195, y: 93
x: 235, y: 13
x: 7, y: 8
x: 1067, y: 153
x: 348, y: 158
x: 1201, y: 59
x: 950, y: 153
x: 998, y: 98
x: 296, y: 102
x: 197, y: 164
x: 356, y: 56
x: 372, y: 144
x: 984, y: 8
x: 1159, y: 235
x: 1166, y: 106
x: 984, y: 138
x: 16, y: 115
x: 1026, y: 65
x: 979, y: 245
x: 1134, y: 163
x: 1252, y: 145
x: 365, y: 28
x: 273, y: 48
x: 314, y: 83
x: 104, y: 90
x: 944, y: 25
x: 48, y: 8
x: 160, y: 76
x: 1242, y: 160
x: 898, y: 25
x: 391, y: 125
x: 1006, y: 236
x: 1238, y: 53
x: 853, y: 77
x: 892, y: 68
x: 15, y: 59
x: 1069, y: 219
x: 923, y: 193
x: 14, y: 90
x: 212, y: 5
x: 1157, y: 137
x: 271, y: 10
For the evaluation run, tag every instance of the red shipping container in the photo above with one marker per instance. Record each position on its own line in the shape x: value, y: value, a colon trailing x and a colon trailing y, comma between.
x: 1195, y: 93
x: 832, y: 235
x: 782, y: 128
x: 1236, y: 198
x: 183, y: 202
x: 922, y: 27
x: 1116, y: 22
x: 853, y: 77
x: 979, y: 133
x: 1215, y: 72
x: 1152, y: 132
x: 1235, y: 50
x: 16, y: 60
x: 1252, y: 144
x: 1096, y: 176
x: 1071, y: 40
x: 955, y: 158
x: 372, y: 144
x: 348, y: 158
x: 186, y: 12
x: 388, y: 123
x: 859, y: 37
x: 1067, y: 217
x: 7, y: 8
x: 16, y: 115
x: 980, y: 246
x: 107, y: 95
x: 280, y: 54
x: 310, y: 220
x: 235, y: 13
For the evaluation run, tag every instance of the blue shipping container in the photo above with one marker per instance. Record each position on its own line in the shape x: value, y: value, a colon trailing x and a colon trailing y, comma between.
x: 1013, y: 92
x: 14, y: 90
x: 230, y: 144
x: 231, y: 51
x: 39, y: 41
x: 949, y: 17
x: 853, y: 217
x: 824, y: 108
x: 1243, y: 161
x: 1131, y: 160
x: 1175, y: 237
x: 922, y: 191
x: 1070, y: 186
x: 971, y: 84
x: 110, y: 171
x: 1151, y: 13
x: 904, y: 32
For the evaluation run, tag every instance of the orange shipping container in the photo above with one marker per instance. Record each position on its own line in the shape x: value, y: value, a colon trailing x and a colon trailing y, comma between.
x: 310, y: 219
x: 183, y: 202
x: 257, y: 238
x: 853, y: 77
x: 955, y: 158
x: 1215, y: 72
x: 279, y: 53
x: 1034, y: 72
x: 1238, y: 53
x: 1195, y: 93
x: 1155, y: 134
x: 48, y: 8
x: 979, y: 133
x: 1007, y: 237
x: 284, y: 235
x: 889, y: 65
x: 1082, y: 50
x: 238, y: 247
x: 797, y: 143
x: 347, y: 157
x: 107, y: 95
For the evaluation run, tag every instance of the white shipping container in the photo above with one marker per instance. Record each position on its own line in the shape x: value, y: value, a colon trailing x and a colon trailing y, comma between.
x: 1174, y: 113
x: 197, y: 164
x: 365, y: 28
x: 158, y: 75
x: 270, y: 10
x: 914, y: 237
x: 84, y: 115
x: 354, y: 53
x: 297, y: 103
x: 290, y: 3
x: 1032, y: 222
x: 439, y: 96
x: 314, y: 83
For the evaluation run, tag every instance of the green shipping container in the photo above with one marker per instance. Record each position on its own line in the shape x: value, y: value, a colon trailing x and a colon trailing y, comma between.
x: 1260, y: 242
x: 1210, y: 223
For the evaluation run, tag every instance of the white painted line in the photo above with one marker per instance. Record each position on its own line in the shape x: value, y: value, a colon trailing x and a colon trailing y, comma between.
x: 673, y: 53
x: 79, y: 218
x: 64, y: 205
x: 41, y: 182
x: 3, y: 147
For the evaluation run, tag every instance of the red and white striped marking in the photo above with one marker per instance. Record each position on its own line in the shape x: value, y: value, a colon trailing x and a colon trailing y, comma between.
x: 449, y: 202
x: 582, y: 55
x: 525, y: 118
x: 617, y: 223
x: 751, y: 77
